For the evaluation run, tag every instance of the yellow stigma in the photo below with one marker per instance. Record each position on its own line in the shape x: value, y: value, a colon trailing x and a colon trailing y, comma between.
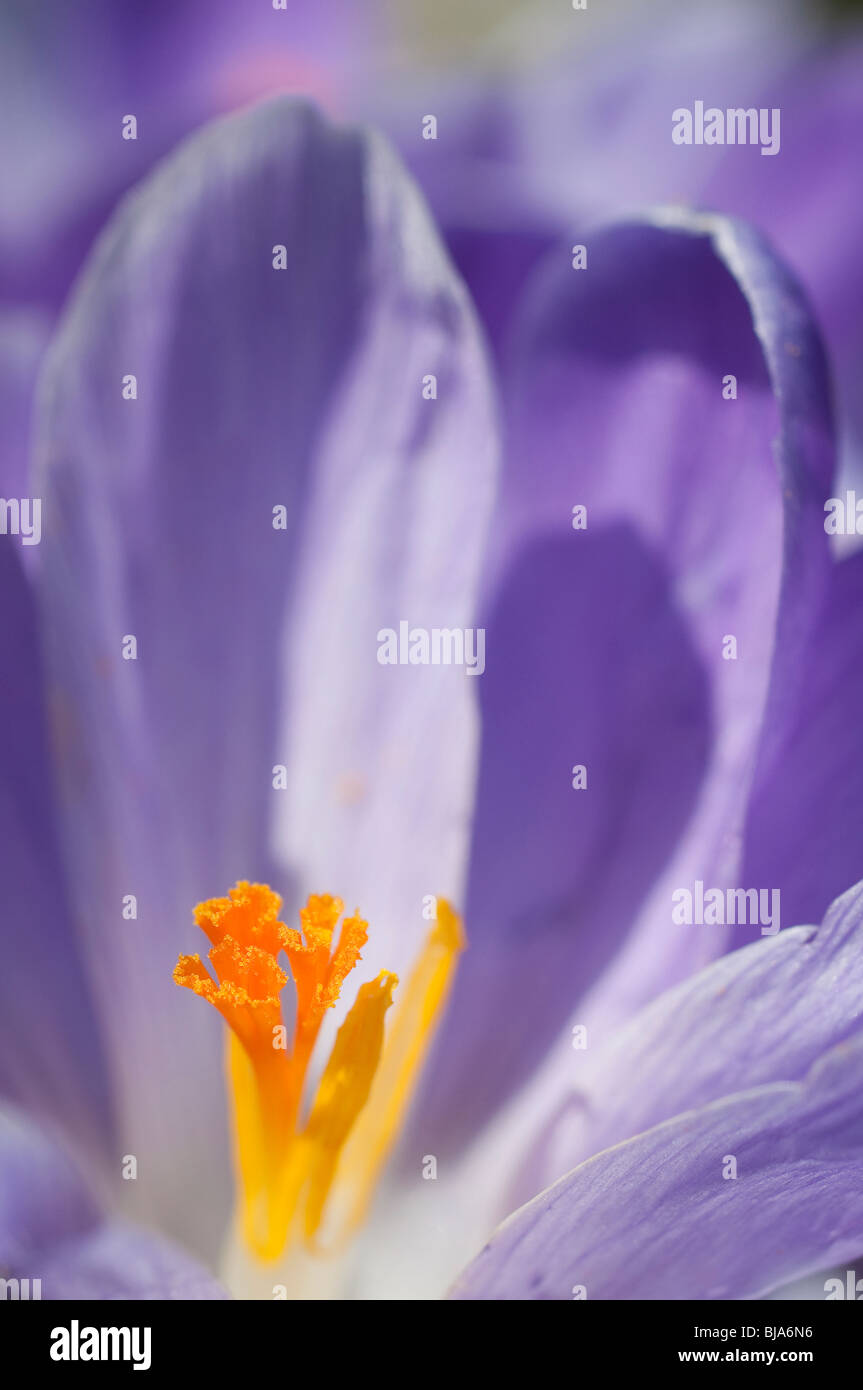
x: 293, y: 1168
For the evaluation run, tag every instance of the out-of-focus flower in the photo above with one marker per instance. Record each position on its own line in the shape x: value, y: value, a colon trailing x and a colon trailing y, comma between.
x: 69, y: 78
x: 570, y: 126
x: 583, y: 135
x: 300, y: 392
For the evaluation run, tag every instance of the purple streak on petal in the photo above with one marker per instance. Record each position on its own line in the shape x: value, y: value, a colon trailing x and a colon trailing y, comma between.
x: 257, y: 388
x: 654, y: 1218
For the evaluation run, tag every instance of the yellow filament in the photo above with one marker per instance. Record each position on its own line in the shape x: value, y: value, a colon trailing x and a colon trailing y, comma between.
x: 287, y: 1167
x: 415, y: 1020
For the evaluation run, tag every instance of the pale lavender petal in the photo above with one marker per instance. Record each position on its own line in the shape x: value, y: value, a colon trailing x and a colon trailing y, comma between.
x: 52, y: 1230
x: 119, y: 1261
x: 662, y: 1217
x: 257, y: 388
x: 762, y: 1014
x: 42, y: 1198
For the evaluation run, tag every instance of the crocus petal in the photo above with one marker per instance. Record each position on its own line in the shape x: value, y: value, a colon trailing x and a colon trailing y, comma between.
x: 50, y: 1056
x: 807, y: 800
x: 69, y: 79
x: 42, y: 981
x: 821, y: 105
x: 50, y: 1050
x: 703, y: 519
x: 51, y: 1229
x: 42, y: 1199
x: 44, y: 995
x: 493, y: 230
x: 756, y: 1016
x: 602, y: 113
x: 23, y: 337
x: 496, y: 262
x: 761, y: 1014
x: 258, y: 388
x: 769, y: 1021
x: 120, y: 1261
x: 663, y: 1217
x: 557, y: 874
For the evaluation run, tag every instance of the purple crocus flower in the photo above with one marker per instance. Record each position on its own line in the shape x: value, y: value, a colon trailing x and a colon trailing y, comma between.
x: 307, y: 389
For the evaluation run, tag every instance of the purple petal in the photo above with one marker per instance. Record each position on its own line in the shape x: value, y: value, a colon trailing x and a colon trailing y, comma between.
x: 821, y: 100
x: 118, y: 1261
x: 23, y: 336
x: 68, y: 77
x: 583, y: 130
x: 655, y: 1218
x: 759, y: 1015
x: 257, y: 647
x: 51, y: 1058
x: 697, y: 528
x: 49, y: 1051
x: 810, y: 793
x: 42, y: 1199
x: 52, y: 1230
x: 557, y: 875
x: 591, y: 126
x: 497, y: 264
x: 495, y: 233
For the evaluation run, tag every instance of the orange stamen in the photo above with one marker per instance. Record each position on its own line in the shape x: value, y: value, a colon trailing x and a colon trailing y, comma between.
x: 288, y: 1166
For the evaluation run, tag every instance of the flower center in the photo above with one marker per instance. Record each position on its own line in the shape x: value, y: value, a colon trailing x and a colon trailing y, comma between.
x: 292, y: 1168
